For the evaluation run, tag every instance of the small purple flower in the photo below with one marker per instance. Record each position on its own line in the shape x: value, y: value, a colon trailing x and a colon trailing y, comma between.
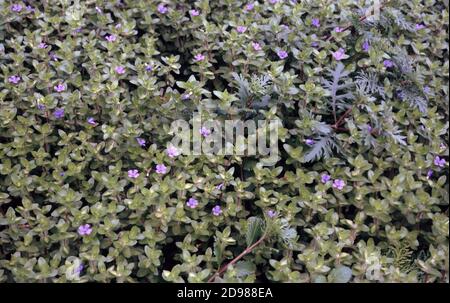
x: 256, y: 46
x: 205, y: 132
x: 120, y: 70
x: 14, y: 79
x: 315, y: 22
x: 241, y: 29
x: 314, y: 44
x: 309, y: 142
x: 186, y: 96
x: 111, y: 38
x: 133, y: 173
x: 30, y: 8
x: 91, y: 121
x: 41, y: 106
x: 62, y: 174
x: 148, y: 67
x: 338, y: 29
x: 199, y: 57
x: 284, y: 27
x: 369, y: 128
x: 118, y: 25
x: 339, y: 184
x: 273, y: 1
x: 366, y: 46
x: 388, y: 63
x: 439, y: 162
x: 420, y: 26
x: 325, y: 178
x: 98, y: 9
x: 161, y: 169
x: 84, y: 230
x: 271, y: 213
x: 60, y: 87
x: 59, y: 113
x: 194, y: 12
x: 216, y: 210
x: 172, y: 152
x: 16, y: 8
x: 192, y: 203
x: 78, y: 270
x: 162, y: 8
x: 282, y: 54
x: 53, y: 56
x: 339, y: 54
x: 249, y: 7
x: 140, y: 141
x: 429, y: 173
x: 42, y: 45
x: 220, y: 186
x: 427, y: 90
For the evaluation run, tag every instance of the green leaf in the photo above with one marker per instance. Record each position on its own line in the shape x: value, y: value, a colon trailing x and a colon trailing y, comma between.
x: 341, y: 274
x: 255, y: 229
x: 244, y: 268
x: 218, y: 250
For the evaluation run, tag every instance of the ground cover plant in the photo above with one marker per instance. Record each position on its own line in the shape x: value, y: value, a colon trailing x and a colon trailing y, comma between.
x: 90, y: 190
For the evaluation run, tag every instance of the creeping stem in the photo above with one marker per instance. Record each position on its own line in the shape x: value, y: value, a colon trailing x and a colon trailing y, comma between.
x: 246, y: 251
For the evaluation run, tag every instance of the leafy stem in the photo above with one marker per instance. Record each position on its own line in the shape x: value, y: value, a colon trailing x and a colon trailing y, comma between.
x: 349, y: 26
x: 240, y: 256
x: 341, y: 119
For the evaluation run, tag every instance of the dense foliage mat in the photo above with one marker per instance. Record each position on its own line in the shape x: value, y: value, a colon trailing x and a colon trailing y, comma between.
x: 89, y: 190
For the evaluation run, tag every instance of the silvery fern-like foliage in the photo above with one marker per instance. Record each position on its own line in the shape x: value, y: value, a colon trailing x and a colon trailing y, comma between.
x: 402, y: 257
x: 259, y: 87
x: 369, y: 139
x: 413, y: 97
x: 287, y: 234
x: 243, y: 87
x: 262, y: 88
x: 396, y: 134
x: 321, y: 127
x: 396, y: 17
x: 390, y: 129
x: 406, y: 67
x: 337, y: 87
x: 368, y: 84
x: 403, y: 62
x: 323, y: 147
x: 386, y: 19
x: 324, y: 142
x: 410, y: 79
